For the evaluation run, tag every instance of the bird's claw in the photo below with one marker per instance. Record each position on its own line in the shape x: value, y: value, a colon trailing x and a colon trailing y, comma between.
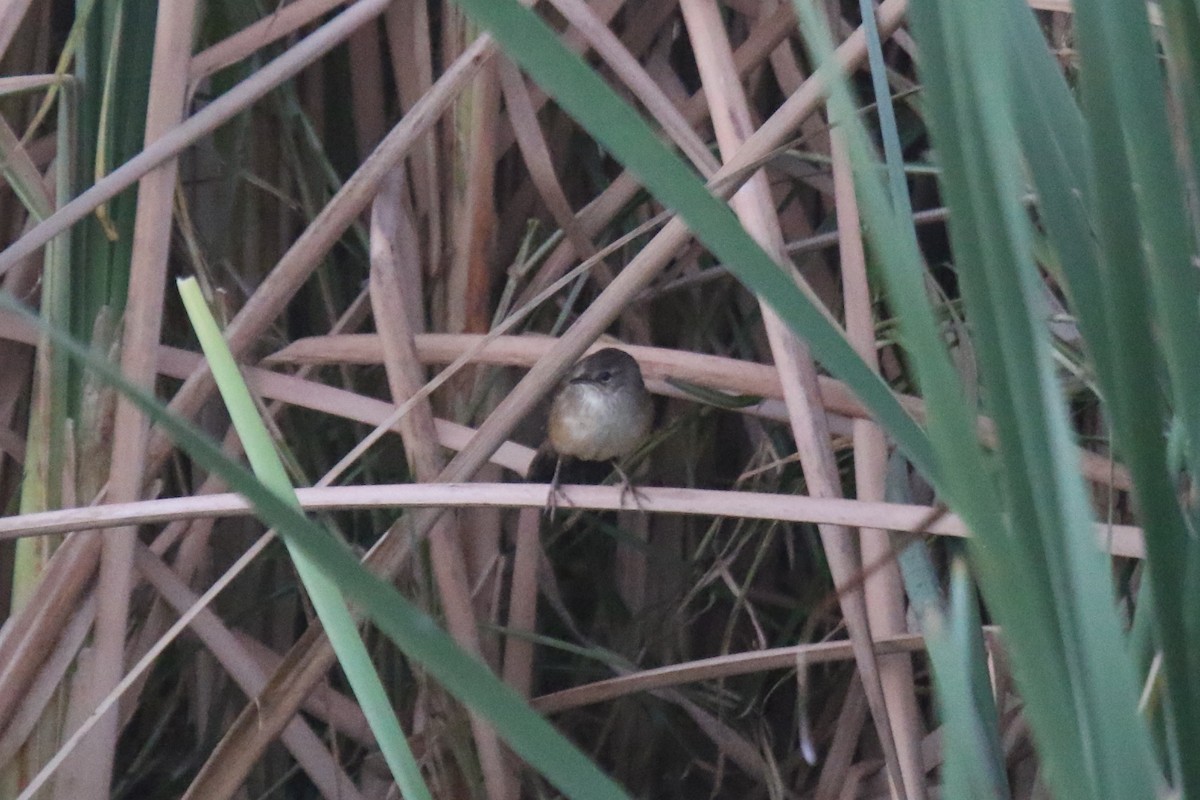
x: 555, y: 492
x: 628, y: 488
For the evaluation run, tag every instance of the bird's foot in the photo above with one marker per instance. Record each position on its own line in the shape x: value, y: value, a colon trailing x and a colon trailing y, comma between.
x: 555, y: 492
x: 628, y: 488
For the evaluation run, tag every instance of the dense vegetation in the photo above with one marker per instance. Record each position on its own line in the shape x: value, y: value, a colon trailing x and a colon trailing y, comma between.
x: 959, y: 299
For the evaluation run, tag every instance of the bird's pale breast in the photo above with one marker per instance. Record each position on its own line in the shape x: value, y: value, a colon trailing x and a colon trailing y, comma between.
x: 594, y: 424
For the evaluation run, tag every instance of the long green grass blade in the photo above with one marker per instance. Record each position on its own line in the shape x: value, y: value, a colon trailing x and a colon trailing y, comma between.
x: 1043, y: 575
x: 1123, y: 87
x: 1181, y: 24
x: 1151, y: 290
x: 1063, y: 573
x: 326, y: 599
x: 974, y: 757
x: 893, y: 154
x: 951, y: 419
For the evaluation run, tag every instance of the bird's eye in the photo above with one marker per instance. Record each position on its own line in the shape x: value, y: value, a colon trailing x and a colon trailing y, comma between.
x: 603, y: 377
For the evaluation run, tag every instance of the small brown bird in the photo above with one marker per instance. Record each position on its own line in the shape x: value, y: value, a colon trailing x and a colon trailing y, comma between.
x: 601, y: 413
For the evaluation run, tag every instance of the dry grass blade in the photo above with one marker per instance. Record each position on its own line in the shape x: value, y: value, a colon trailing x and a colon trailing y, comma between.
x: 674, y: 125
x: 11, y: 14
x: 1120, y: 540
x: 797, y: 371
x: 139, y: 350
x: 719, y: 667
x: 394, y: 275
x: 305, y: 254
x: 523, y: 119
x: 283, y: 22
x: 194, y: 128
x: 310, y: 752
x: 884, y: 591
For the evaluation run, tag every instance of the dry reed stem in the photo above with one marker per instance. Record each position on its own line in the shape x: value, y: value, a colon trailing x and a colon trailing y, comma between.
x: 599, y: 212
x: 12, y: 12
x: 730, y: 745
x: 392, y: 277
x: 797, y: 371
x: 29, y: 634
x: 310, y: 752
x: 856, y: 776
x: 25, y: 83
x: 46, y: 683
x: 523, y: 601
x: 17, y: 376
x: 839, y: 758
x: 298, y: 263
x: 139, y: 344
x: 718, y: 667
x: 536, y: 154
x: 341, y: 712
x: 195, y: 128
x: 806, y: 244
x: 716, y: 372
x: 407, y: 26
x: 190, y: 558
x: 142, y: 325
x: 11, y: 442
x: 283, y: 21
x: 606, y: 44
x: 884, y: 590
x: 574, y: 41
x: 1126, y: 540
x: 368, y: 97
x: 468, y: 286
x: 296, y: 391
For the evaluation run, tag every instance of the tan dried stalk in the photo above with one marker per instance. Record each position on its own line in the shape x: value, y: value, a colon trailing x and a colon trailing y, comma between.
x: 139, y: 345
x: 1120, y: 540
x: 886, y: 609
x: 395, y: 274
x: 797, y: 370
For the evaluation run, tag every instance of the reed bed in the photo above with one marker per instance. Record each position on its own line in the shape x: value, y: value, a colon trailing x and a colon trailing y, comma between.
x: 913, y: 285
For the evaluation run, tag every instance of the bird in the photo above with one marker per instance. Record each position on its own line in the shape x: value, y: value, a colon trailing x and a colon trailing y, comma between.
x: 601, y: 413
